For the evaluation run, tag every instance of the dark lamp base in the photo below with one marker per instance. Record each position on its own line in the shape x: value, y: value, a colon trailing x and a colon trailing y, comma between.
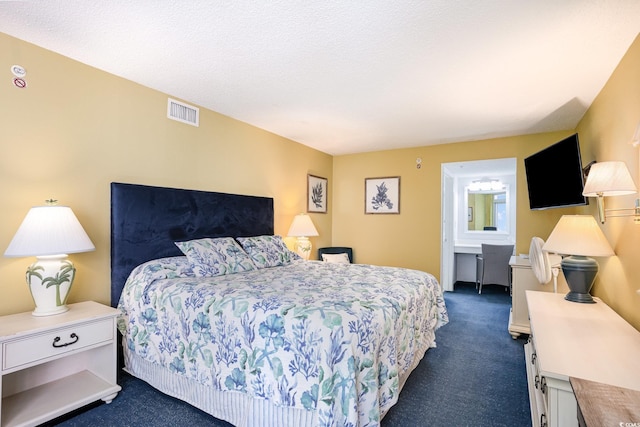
x: 579, y: 297
x: 580, y: 273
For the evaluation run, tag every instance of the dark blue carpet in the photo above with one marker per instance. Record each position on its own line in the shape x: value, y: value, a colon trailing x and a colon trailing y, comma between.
x: 474, y: 377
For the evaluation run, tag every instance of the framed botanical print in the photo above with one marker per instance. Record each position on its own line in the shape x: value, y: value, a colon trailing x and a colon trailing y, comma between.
x: 382, y: 195
x: 317, y: 194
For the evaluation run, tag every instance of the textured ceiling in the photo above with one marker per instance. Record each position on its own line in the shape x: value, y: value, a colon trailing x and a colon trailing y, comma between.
x: 347, y: 77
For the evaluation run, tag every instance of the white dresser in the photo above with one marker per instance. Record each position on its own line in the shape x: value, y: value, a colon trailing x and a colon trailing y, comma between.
x: 568, y: 339
x: 522, y: 280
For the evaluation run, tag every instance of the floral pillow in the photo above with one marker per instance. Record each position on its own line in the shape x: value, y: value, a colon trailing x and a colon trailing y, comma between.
x: 268, y: 251
x: 215, y: 257
x: 163, y: 268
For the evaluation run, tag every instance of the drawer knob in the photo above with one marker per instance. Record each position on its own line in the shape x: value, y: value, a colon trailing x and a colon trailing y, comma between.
x: 73, y: 336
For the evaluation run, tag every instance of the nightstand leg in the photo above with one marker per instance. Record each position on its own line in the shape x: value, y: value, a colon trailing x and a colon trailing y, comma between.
x: 108, y: 399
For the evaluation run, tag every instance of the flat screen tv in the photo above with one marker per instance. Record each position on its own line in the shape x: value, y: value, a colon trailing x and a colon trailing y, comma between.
x: 554, y: 176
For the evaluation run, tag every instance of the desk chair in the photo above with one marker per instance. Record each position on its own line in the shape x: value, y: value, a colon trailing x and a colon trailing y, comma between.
x: 492, y: 266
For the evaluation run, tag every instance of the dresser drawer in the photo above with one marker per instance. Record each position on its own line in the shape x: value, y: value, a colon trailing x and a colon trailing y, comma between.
x: 38, y: 347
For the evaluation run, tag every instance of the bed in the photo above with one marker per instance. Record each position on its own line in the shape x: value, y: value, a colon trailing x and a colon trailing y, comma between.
x: 216, y: 311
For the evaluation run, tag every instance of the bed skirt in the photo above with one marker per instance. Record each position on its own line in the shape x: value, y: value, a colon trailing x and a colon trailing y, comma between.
x: 236, y: 408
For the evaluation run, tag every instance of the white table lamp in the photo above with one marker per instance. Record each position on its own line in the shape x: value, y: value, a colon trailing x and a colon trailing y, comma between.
x: 580, y: 237
x: 49, y: 233
x: 302, y: 227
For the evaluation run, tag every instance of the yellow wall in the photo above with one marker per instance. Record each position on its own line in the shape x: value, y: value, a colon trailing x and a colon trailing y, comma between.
x: 412, y: 239
x: 75, y: 129
x: 609, y: 126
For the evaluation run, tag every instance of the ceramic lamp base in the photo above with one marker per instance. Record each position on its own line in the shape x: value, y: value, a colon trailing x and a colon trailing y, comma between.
x: 50, y: 279
x: 303, y: 247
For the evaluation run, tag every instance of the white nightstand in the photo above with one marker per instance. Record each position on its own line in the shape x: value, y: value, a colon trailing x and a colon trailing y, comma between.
x: 53, y: 365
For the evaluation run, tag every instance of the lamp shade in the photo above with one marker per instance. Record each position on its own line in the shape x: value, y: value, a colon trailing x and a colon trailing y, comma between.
x: 49, y: 230
x: 609, y: 179
x: 578, y: 235
x: 302, y: 226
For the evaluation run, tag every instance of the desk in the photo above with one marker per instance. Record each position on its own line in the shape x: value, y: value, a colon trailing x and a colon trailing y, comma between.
x: 465, y: 259
x: 465, y: 262
x: 468, y: 249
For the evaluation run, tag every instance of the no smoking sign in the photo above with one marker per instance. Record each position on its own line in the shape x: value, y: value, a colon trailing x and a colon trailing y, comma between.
x: 19, y: 83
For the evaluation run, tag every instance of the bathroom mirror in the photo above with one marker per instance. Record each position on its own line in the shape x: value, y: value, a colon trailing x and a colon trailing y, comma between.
x: 487, y: 210
x: 460, y: 239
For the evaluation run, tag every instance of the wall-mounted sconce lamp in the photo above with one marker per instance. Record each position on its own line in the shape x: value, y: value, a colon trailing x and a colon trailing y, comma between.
x: 611, y: 179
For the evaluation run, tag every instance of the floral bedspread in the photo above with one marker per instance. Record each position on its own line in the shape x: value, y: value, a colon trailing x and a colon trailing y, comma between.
x: 337, y: 339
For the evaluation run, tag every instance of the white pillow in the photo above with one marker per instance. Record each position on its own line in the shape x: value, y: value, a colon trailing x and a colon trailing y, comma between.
x: 342, y: 258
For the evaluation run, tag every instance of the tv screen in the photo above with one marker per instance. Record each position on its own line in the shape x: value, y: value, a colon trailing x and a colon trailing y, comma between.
x: 554, y: 176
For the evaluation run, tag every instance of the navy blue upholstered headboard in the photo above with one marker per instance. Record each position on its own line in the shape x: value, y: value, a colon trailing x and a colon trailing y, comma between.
x: 146, y: 221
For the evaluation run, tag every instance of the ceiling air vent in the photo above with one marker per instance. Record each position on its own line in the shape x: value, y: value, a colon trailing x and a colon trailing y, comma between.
x: 182, y: 112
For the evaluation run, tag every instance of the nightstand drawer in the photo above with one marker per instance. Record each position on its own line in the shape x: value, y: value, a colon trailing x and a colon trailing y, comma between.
x: 36, y: 348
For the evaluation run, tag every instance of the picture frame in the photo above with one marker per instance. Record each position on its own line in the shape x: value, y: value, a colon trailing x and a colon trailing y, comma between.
x: 382, y: 195
x: 317, y: 194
